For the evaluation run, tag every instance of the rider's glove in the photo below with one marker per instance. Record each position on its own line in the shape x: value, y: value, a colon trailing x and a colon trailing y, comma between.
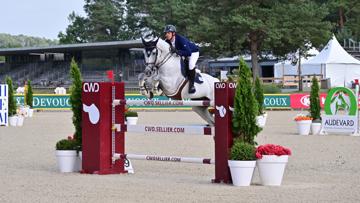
x: 173, y: 49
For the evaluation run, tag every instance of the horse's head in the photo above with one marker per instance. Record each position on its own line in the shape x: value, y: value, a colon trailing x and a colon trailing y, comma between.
x: 156, y: 52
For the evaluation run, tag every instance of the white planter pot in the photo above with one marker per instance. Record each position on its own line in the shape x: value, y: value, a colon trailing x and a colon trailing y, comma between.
x: 24, y: 110
x: 303, y: 127
x: 271, y: 169
x: 315, y: 128
x: 20, y: 121
x: 13, y: 120
x: 79, y: 161
x: 241, y: 172
x: 67, y: 160
x: 30, y: 112
x: 131, y: 120
x: 261, y: 120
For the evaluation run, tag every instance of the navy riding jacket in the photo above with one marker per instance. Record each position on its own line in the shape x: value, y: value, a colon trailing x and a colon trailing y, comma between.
x: 184, y: 46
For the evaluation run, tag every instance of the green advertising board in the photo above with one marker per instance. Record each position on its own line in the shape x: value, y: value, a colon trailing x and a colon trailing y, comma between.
x: 62, y: 102
x: 276, y: 101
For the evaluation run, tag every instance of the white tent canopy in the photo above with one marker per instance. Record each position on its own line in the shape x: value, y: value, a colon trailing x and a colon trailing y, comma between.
x: 335, y: 63
x: 287, y: 68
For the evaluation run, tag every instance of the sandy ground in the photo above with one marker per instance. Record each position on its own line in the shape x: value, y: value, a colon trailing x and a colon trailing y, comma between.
x: 321, y: 169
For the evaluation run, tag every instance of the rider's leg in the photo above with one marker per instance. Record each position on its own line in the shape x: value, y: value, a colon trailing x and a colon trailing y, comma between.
x: 192, y: 62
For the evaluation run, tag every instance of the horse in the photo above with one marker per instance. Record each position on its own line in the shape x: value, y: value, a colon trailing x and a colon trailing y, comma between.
x: 164, y: 74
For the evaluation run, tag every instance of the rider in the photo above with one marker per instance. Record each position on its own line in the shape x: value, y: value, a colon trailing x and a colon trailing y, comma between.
x: 185, y: 48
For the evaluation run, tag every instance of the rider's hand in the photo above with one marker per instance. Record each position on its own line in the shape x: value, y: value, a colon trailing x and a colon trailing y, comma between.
x: 173, y: 49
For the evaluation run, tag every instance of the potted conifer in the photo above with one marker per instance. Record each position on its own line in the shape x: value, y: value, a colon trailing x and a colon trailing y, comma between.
x: 29, y: 98
x: 76, y: 103
x: 244, y: 126
x: 69, y: 147
x: 315, y: 107
x: 259, y: 95
x: 11, y: 103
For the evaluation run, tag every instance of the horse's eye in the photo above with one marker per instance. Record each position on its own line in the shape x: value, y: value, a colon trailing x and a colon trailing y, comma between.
x: 153, y: 53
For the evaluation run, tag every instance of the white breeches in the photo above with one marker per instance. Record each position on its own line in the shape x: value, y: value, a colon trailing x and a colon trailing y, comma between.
x: 193, y: 59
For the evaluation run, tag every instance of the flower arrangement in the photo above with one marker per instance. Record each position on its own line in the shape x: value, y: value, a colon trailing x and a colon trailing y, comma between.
x: 271, y: 149
x: 302, y: 117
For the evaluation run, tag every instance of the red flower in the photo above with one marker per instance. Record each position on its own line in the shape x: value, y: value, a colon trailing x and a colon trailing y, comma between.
x: 271, y: 149
x: 70, y: 137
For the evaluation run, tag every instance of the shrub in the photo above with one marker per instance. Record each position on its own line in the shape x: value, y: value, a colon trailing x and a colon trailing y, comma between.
x: 11, y: 98
x: 259, y: 95
x: 29, y: 95
x: 131, y: 114
x: 315, y: 100
x: 271, y: 88
x: 75, y: 100
x: 242, y: 151
x: 245, y: 107
x: 66, y: 144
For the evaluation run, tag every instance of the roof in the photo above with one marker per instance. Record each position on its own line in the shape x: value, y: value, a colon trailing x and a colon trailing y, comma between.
x: 333, y: 53
x: 73, y: 47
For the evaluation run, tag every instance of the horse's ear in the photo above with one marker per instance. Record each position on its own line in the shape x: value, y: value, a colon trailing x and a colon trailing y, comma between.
x: 143, y: 41
x: 157, y: 39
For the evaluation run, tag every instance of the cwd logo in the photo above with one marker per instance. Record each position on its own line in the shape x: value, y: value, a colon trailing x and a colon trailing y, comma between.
x: 91, y: 87
x: 305, y: 100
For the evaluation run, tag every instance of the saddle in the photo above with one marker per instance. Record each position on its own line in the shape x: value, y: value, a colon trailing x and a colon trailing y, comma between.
x: 184, y: 65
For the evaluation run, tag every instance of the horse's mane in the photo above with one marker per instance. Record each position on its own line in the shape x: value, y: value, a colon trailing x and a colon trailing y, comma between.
x: 163, y: 45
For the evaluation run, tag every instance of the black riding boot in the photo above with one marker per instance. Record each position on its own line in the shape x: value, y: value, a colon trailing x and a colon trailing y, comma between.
x: 191, y: 81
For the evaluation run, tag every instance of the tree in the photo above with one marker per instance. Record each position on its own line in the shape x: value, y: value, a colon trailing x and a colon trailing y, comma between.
x: 245, y: 107
x: 11, y: 98
x: 75, y: 100
x: 315, y: 100
x: 259, y: 25
x: 259, y: 95
x: 29, y: 94
x: 77, y: 32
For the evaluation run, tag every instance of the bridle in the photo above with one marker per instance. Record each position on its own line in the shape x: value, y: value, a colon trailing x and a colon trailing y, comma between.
x: 149, y: 47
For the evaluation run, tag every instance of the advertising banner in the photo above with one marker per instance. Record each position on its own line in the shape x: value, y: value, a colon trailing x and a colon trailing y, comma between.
x: 302, y: 101
x: 4, y: 105
x: 277, y: 101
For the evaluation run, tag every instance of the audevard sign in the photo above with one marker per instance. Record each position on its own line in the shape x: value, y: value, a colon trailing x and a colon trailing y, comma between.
x: 4, y: 105
x: 340, y: 123
x: 341, y: 108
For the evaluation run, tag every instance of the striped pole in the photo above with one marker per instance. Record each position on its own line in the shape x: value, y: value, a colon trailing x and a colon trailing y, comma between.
x: 174, y: 129
x: 163, y: 102
x: 164, y: 158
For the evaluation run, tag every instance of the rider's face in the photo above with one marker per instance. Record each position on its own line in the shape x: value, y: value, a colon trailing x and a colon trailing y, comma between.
x: 169, y: 35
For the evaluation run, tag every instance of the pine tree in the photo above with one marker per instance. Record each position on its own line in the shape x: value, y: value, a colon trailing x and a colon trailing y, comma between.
x: 259, y: 95
x: 29, y: 95
x: 11, y: 98
x: 75, y: 100
x: 315, y: 100
x: 245, y: 107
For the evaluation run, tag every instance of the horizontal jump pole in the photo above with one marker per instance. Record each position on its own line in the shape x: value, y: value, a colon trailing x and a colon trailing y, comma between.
x: 164, y: 158
x: 174, y: 129
x: 163, y: 102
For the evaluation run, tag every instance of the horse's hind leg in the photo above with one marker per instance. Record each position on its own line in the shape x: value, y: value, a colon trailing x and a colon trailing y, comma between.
x: 204, y: 114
